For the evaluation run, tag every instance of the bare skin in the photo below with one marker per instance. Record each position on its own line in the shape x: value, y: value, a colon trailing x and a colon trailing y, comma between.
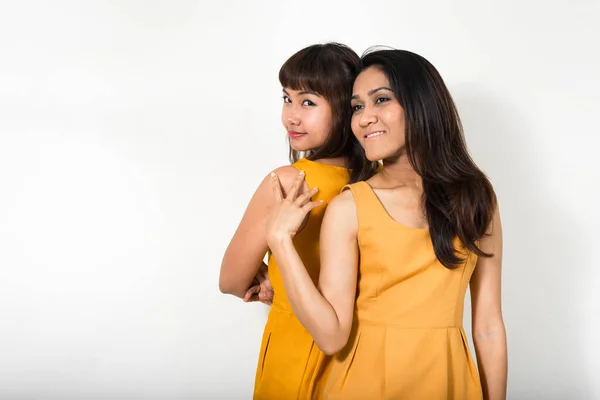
x: 326, y: 311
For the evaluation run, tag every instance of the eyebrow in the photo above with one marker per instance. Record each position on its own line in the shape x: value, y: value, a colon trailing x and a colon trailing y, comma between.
x: 373, y: 91
x: 304, y: 92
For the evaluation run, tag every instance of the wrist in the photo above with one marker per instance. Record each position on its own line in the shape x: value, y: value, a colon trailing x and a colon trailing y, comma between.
x: 278, y: 239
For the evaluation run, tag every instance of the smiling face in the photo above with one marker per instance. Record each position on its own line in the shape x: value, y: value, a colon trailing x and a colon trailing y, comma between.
x: 377, y: 118
x: 307, y: 117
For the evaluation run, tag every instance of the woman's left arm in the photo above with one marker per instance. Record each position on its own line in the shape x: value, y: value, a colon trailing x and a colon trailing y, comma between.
x: 489, y: 334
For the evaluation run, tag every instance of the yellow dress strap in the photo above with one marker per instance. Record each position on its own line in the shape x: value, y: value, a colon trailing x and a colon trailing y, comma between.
x: 369, y: 209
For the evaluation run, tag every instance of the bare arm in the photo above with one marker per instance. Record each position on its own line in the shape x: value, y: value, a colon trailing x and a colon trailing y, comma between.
x: 489, y: 334
x: 245, y: 253
x: 326, y: 312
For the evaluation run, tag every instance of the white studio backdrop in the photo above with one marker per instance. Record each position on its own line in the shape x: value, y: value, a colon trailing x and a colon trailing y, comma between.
x: 133, y: 133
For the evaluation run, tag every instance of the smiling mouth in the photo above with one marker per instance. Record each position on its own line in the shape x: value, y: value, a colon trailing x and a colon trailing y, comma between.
x: 295, y: 135
x: 373, y: 134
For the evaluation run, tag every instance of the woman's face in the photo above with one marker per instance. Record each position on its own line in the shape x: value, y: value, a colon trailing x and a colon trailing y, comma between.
x: 377, y: 116
x: 307, y: 117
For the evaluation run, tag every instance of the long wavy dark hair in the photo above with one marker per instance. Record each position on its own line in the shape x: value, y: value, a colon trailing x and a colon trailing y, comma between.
x: 330, y: 69
x: 458, y: 198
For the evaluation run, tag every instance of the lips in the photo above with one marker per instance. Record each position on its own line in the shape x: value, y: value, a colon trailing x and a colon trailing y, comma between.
x: 373, y: 134
x: 295, y: 135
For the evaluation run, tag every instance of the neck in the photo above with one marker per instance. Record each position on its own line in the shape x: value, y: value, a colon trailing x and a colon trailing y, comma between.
x: 399, y: 171
x: 336, y: 161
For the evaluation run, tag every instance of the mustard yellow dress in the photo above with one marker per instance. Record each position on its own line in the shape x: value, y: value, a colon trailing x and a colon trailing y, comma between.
x: 290, y: 364
x: 407, y: 341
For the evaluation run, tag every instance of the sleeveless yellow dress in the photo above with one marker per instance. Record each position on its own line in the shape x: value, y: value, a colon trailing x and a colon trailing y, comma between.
x: 407, y: 340
x: 290, y: 364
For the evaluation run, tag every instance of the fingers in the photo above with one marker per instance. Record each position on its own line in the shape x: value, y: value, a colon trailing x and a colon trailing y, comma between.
x: 309, y: 206
x: 262, y: 295
x: 276, y: 185
x: 251, y: 293
x: 261, y: 289
x: 266, y: 296
x: 296, y: 186
x: 305, y: 197
x: 266, y: 291
x: 266, y: 285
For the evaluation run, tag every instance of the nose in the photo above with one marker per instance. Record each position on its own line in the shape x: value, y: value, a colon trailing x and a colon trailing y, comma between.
x: 293, y: 120
x: 367, y: 117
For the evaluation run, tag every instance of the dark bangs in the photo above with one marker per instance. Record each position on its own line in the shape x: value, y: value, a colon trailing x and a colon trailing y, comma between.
x: 307, y: 70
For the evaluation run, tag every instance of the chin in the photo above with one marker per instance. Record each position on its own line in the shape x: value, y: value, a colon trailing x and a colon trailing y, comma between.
x: 300, y: 148
x: 376, y: 155
x: 299, y: 145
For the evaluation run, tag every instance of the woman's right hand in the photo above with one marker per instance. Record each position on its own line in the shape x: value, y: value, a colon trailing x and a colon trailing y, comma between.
x: 289, y: 212
x: 261, y: 289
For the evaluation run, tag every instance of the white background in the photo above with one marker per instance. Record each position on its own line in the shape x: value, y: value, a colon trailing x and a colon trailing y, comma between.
x: 133, y: 133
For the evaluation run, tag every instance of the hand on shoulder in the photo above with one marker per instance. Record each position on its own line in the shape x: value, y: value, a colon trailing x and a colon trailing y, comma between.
x: 287, y: 174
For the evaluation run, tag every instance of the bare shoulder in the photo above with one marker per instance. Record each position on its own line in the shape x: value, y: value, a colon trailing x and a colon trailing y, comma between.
x: 263, y: 197
x: 341, y: 212
x: 343, y: 201
x: 287, y: 174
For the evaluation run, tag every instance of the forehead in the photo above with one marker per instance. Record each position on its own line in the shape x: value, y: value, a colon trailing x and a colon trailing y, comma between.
x: 368, y: 79
x: 300, y: 91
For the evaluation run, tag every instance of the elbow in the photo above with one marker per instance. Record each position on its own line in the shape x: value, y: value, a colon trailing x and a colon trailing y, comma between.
x: 329, y: 351
x: 334, y: 339
x: 227, y: 283
x: 332, y: 346
x: 226, y: 286
x: 488, y: 331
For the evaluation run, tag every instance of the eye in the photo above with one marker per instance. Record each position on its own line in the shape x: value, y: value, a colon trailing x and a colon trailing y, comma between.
x: 308, y: 103
x: 382, y: 100
x: 357, y: 107
x: 286, y: 99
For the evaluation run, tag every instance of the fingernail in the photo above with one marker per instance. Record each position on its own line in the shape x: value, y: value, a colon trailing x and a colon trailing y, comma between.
x: 272, y: 174
x: 316, y: 188
x: 302, y: 173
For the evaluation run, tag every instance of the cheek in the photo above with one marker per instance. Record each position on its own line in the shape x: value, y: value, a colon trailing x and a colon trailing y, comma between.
x: 401, y: 127
x: 395, y: 120
x: 284, y: 116
x: 320, y: 122
x: 327, y: 123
